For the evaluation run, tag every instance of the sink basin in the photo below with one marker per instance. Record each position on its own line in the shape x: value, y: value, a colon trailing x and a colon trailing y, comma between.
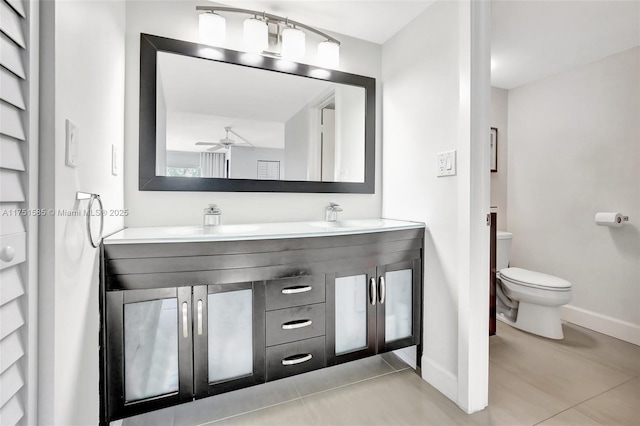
x: 220, y: 229
x: 232, y: 229
x: 348, y: 224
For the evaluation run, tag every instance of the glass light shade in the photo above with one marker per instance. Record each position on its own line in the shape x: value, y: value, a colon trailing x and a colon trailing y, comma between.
x: 293, y: 43
x: 329, y: 54
x: 256, y: 35
x: 213, y: 29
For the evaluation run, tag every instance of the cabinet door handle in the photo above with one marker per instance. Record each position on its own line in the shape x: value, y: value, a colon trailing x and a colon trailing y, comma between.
x: 296, y: 359
x: 291, y: 325
x: 383, y: 290
x: 372, y: 291
x: 200, y: 317
x: 185, y: 320
x: 296, y: 290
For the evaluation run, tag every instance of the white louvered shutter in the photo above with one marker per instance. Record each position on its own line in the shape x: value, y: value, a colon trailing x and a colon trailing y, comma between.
x: 14, y: 195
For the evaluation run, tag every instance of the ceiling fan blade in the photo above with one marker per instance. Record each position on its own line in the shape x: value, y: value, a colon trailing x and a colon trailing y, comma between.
x: 207, y: 143
x: 243, y: 139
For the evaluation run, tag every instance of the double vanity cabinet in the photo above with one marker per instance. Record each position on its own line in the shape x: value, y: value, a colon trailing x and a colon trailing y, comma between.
x: 187, y: 314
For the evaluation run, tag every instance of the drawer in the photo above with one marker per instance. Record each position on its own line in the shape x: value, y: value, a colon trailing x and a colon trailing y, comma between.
x: 298, y: 291
x: 288, y: 325
x: 295, y: 358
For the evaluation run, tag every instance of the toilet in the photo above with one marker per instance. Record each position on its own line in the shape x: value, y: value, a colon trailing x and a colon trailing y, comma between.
x: 526, y: 299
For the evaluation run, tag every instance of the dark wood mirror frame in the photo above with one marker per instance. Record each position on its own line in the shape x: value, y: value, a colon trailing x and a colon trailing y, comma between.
x: 148, y: 180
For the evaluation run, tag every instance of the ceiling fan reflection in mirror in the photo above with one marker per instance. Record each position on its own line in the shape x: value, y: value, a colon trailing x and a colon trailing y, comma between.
x: 226, y: 143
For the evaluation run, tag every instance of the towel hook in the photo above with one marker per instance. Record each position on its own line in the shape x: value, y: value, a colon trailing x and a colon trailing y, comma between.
x: 92, y: 197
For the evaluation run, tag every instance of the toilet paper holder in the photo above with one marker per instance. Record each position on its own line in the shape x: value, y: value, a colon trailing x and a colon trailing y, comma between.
x: 615, y: 219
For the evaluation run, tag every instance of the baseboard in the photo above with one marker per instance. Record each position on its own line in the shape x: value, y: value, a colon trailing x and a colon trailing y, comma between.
x: 408, y: 355
x: 440, y: 378
x: 602, y: 324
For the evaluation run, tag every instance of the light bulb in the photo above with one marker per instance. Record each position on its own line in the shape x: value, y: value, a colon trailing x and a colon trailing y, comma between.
x: 329, y: 54
x: 256, y: 35
x: 293, y: 43
x: 213, y: 28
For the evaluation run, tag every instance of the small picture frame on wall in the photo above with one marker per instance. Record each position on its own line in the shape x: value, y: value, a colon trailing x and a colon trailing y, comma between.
x: 494, y: 149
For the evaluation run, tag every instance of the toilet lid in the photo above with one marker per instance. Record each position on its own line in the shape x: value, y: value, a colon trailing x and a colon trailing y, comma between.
x: 534, y: 279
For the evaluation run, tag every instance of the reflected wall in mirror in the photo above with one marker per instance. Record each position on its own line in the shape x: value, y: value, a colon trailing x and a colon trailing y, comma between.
x: 213, y: 119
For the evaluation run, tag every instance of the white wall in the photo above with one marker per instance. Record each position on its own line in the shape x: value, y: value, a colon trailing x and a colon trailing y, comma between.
x: 244, y: 161
x: 574, y: 150
x: 350, y: 102
x: 427, y: 91
x: 186, y: 159
x: 297, y: 147
x: 83, y: 82
x: 499, y: 102
x: 178, y: 19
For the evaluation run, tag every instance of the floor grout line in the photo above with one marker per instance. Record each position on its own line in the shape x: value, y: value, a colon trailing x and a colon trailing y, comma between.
x: 352, y: 383
x: 302, y: 398
x: 565, y: 410
x: 389, y: 364
x: 583, y: 357
x: 566, y: 349
x: 248, y: 412
x: 306, y: 407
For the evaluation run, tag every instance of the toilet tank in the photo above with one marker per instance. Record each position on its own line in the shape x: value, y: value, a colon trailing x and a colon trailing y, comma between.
x: 503, y: 249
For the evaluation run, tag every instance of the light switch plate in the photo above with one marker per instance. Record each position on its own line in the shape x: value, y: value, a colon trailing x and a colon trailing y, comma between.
x: 114, y: 160
x: 72, y: 139
x: 446, y: 163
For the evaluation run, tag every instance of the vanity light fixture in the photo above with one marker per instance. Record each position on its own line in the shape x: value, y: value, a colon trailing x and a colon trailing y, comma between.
x: 256, y: 35
x: 213, y: 28
x: 268, y: 34
x: 329, y: 53
x: 293, y: 43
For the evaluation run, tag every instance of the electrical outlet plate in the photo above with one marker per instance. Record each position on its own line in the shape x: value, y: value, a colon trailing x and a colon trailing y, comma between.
x: 72, y: 139
x: 446, y: 163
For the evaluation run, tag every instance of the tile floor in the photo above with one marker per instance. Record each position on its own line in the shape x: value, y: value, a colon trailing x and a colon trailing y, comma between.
x: 586, y: 379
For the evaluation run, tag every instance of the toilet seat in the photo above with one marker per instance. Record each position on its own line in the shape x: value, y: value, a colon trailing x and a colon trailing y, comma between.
x: 533, y: 279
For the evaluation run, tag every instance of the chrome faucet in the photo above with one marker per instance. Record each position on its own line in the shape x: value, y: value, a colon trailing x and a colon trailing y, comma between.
x: 331, y: 212
x: 212, y: 215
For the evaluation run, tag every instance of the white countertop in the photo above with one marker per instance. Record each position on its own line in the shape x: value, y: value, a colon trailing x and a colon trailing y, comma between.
x: 256, y: 231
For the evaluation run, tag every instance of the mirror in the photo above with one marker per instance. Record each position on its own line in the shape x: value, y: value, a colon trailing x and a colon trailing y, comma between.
x: 213, y: 119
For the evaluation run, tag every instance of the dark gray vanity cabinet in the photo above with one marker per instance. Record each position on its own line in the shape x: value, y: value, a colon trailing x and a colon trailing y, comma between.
x: 187, y: 320
x: 373, y: 310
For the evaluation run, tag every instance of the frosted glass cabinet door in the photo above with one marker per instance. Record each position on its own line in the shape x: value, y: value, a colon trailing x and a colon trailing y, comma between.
x: 229, y: 337
x: 399, y: 305
x: 351, y: 316
x: 399, y: 296
x: 351, y: 313
x: 230, y: 334
x: 150, y: 348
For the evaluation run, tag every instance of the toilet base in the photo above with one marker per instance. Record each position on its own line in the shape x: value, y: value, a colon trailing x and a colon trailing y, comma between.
x: 537, y: 319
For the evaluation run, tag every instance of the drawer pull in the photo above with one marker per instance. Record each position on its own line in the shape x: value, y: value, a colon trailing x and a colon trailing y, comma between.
x: 291, y: 325
x: 296, y: 359
x: 296, y: 290
x: 383, y: 290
